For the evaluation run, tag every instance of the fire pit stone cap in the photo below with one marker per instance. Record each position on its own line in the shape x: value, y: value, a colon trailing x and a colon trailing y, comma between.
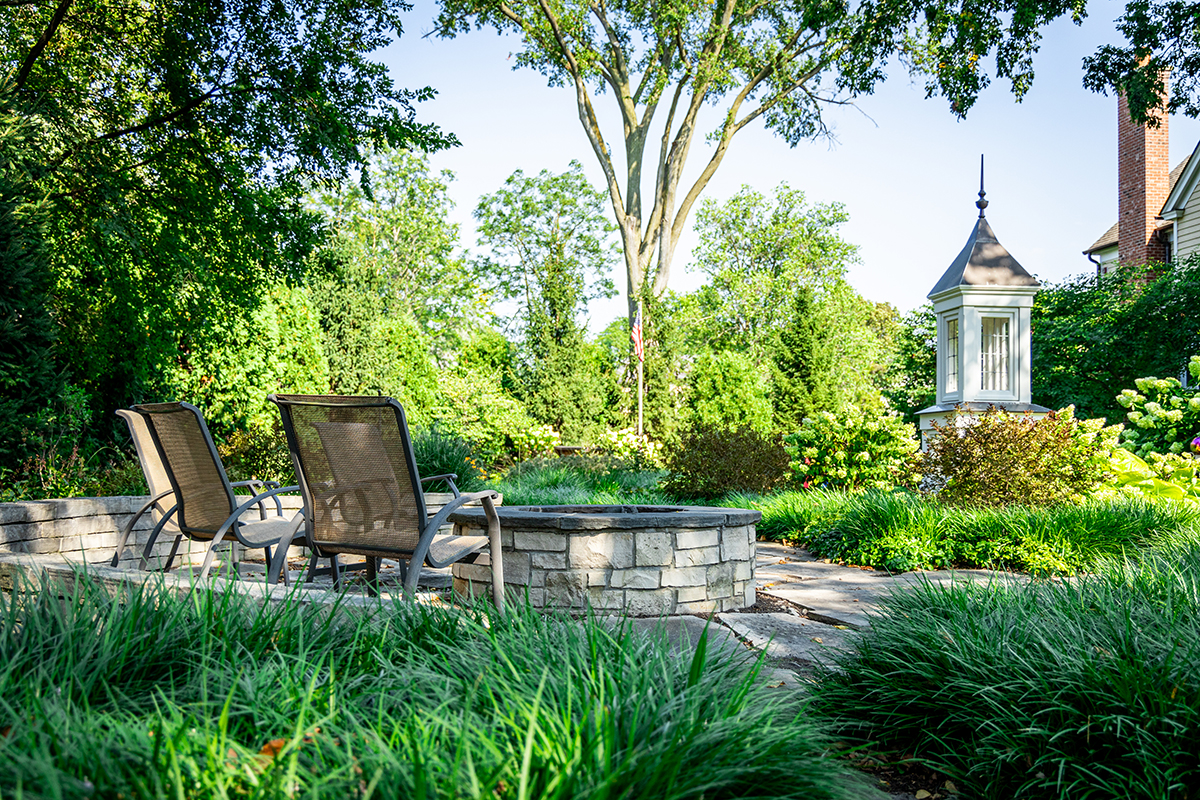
x: 602, y: 517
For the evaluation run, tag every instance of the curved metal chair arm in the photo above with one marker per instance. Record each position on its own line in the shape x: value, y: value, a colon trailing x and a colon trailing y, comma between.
x: 257, y: 486
x: 421, y: 552
x: 439, y: 519
x: 133, y: 521
x: 230, y: 527
x: 449, y: 478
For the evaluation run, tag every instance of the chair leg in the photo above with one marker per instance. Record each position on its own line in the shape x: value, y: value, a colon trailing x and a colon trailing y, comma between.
x: 496, y: 553
x: 171, y: 555
x: 312, y: 568
x: 372, y: 576
x: 278, y: 565
x: 336, y: 571
x: 208, y: 559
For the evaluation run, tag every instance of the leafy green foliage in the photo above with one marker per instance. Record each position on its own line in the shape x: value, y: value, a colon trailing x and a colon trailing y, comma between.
x: 259, y: 452
x: 865, y: 449
x: 712, y: 460
x: 1160, y: 40
x: 393, y: 225
x: 800, y: 365
x: 1094, y: 337
x: 174, y: 141
x: 726, y: 390
x: 997, y: 458
x: 1163, y: 416
x: 910, y: 381
x: 1025, y: 690
x: 29, y: 378
x: 758, y: 253
x: 1166, y: 477
x: 475, y: 407
x: 150, y: 695
x: 550, y: 252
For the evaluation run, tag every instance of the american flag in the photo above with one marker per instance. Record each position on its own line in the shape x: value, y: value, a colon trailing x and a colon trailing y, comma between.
x: 636, y: 335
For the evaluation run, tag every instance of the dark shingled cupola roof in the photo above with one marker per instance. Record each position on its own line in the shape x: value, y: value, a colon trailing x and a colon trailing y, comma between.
x: 983, y: 261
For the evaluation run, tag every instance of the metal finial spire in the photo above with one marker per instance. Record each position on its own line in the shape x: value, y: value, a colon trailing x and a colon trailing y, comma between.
x: 981, y: 203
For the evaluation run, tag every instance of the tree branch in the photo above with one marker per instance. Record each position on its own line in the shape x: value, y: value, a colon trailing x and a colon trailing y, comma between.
x: 51, y: 28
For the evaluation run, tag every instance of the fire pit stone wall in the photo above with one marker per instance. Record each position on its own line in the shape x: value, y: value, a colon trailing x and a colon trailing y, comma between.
x: 642, y: 560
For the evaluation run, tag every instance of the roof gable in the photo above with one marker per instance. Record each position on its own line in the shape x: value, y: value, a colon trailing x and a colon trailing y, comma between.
x: 1182, y: 185
x: 983, y: 262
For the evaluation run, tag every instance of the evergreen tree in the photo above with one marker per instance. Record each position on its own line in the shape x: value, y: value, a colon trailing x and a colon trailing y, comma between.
x: 801, y: 362
x: 29, y: 379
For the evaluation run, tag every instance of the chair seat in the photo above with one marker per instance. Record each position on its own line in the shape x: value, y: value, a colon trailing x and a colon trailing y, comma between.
x: 445, y: 550
x: 262, y: 533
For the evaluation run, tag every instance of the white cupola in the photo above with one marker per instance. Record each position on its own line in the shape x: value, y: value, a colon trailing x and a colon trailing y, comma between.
x: 982, y: 303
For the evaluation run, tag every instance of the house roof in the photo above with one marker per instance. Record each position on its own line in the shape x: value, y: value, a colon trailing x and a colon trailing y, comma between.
x: 1183, y: 183
x: 1109, y: 239
x: 983, y: 261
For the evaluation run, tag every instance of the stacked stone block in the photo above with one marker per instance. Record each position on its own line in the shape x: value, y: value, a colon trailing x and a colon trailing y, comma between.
x: 636, y: 559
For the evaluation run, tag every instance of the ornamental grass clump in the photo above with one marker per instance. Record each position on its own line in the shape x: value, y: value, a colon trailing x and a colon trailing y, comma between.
x: 997, y: 459
x: 146, y: 695
x: 1087, y: 688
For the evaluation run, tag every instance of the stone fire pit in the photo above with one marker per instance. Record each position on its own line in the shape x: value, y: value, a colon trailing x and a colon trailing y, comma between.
x: 643, y: 560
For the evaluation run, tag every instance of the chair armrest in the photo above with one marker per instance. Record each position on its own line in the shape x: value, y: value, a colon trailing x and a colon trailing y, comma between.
x: 257, y: 486
x: 439, y: 519
x: 449, y: 478
x: 138, y: 515
x: 230, y: 524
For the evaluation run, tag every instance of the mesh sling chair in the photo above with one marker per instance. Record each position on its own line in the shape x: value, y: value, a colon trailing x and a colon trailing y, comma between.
x: 206, y: 509
x: 362, y: 490
x: 161, y: 504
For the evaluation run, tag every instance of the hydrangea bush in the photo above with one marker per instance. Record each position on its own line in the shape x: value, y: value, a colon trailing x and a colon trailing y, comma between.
x: 640, y: 451
x: 864, y: 449
x: 1163, y: 416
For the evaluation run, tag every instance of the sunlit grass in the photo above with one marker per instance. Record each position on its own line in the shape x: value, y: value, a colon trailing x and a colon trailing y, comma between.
x: 143, y: 695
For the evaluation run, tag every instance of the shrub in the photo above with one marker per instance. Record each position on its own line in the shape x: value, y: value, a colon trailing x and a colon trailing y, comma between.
x: 476, y: 407
x: 259, y: 452
x: 1163, y: 416
x: 869, y: 449
x: 639, y: 451
x: 997, y: 458
x: 1079, y: 689
x: 534, y: 442
x: 712, y: 460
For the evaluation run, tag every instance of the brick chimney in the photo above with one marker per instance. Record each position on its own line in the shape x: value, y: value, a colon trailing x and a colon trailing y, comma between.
x: 1143, y: 170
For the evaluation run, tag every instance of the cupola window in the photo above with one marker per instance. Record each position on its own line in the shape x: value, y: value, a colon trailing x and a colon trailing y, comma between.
x: 995, y: 354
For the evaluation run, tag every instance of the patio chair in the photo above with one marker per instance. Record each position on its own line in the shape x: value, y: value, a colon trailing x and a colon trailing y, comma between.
x: 361, y: 487
x: 205, y: 507
x: 161, y: 504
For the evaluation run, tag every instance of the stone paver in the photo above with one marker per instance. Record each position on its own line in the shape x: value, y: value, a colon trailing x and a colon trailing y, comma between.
x: 790, y: 637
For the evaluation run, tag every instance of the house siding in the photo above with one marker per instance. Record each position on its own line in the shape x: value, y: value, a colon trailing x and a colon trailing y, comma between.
x: 1187, y: 228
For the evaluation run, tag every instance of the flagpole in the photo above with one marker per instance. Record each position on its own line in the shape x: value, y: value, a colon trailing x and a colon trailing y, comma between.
x: 641, y: 375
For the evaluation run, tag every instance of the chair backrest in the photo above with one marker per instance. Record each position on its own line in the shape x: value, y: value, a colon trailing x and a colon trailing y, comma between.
x: 192, y: 464
x: 354, y: 461
x: 157, y: 479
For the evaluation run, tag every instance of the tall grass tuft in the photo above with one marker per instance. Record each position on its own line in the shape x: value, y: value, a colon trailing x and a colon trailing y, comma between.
x: 580, y: 480
x: 144, y: 695
x: 1087, y: 688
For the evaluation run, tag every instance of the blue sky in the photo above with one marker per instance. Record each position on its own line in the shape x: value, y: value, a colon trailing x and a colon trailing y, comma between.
x: 905, y: 168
